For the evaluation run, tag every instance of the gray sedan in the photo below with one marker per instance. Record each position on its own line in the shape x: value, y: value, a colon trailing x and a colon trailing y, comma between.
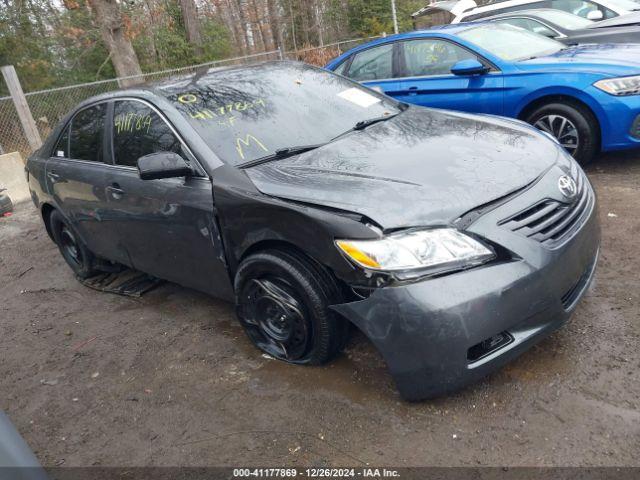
x: 567, y: 27
x: 453, y: 241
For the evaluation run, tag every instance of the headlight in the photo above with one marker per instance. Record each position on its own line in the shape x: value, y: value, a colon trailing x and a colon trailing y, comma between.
x: 442, y: 248
x: 620, y: 86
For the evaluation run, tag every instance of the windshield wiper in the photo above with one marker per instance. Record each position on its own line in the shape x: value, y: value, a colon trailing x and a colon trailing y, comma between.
x: 280, y: 154
x: 362, y: 124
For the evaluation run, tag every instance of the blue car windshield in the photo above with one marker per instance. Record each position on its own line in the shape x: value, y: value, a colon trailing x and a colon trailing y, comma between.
x: 511, y: 43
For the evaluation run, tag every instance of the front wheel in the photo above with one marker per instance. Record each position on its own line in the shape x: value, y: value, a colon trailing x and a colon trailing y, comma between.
x: 574, y: 126
x: 282, y: 301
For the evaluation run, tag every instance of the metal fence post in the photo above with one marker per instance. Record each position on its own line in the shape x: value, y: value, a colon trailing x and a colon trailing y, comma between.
x: 280, y: 55
x: 22, y: 107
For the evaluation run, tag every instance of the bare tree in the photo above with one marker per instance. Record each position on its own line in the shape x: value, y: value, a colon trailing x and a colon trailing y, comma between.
x: 109, y: 18
x: 191, y: 24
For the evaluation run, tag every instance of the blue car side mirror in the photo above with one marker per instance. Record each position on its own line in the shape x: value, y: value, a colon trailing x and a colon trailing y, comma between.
x: 470, y: 66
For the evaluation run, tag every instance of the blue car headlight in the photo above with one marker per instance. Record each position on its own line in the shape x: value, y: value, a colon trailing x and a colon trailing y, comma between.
x: 621, y: 86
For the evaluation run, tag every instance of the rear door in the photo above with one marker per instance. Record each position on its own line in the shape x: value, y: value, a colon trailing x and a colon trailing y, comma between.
x: 424, y: 68
x: 167, y: 226
x: 77, y: 177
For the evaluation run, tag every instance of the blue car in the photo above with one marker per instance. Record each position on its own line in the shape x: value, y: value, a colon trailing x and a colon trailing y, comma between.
x: 586, y: 96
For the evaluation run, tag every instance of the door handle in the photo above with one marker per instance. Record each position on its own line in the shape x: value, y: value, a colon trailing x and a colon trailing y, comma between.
x: 53, y: 176
x: 413, y: 90
x: 115, y: 191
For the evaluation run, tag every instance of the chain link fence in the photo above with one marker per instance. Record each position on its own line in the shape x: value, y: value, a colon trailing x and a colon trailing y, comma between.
x: 48, y: 107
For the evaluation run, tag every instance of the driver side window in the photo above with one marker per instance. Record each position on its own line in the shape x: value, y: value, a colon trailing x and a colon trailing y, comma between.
x: 139, y: 131
x: 432, y: 57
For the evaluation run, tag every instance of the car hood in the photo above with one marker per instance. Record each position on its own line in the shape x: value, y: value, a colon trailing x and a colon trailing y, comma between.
x: 423, y: 167
x: 606, y: 59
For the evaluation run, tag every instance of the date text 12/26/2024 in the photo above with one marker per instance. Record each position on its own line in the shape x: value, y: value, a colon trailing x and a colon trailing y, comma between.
x: 315, y: 473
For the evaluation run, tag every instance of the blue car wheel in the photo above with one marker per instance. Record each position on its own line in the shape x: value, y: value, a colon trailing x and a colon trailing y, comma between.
x: 572, y: 125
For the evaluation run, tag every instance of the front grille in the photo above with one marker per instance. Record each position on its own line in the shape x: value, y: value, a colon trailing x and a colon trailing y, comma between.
x: 552, y: 222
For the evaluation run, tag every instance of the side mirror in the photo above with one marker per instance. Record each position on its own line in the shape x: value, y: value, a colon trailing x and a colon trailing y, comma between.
x: 163, y: 165
x: 470, y: 66
x: 595, y: 15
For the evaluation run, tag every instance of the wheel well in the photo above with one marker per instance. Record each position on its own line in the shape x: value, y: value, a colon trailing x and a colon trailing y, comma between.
x: 47, y: 210
x: 567, y: 99
x: 287, y: 247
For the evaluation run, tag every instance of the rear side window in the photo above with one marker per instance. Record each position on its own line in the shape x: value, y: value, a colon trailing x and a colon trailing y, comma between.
x: 342, y: 67
x: 432, y: 57
x: 62, y: 147
x: 87, y: 132
x: 372, y: 64
x: 139, y: 131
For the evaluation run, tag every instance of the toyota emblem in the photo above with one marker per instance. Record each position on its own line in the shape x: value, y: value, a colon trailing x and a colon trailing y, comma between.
x: 567, y: 186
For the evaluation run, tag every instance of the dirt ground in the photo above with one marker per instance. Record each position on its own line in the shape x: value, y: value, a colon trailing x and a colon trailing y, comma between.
x: 169, y: 379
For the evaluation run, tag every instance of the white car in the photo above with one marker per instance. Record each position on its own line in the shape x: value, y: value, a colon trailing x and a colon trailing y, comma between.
x: 452, y: 11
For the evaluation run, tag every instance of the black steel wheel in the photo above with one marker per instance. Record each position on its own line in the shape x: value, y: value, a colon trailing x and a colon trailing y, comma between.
x: 573, y: 125
x: 73, y: 250
x: 282, y: 301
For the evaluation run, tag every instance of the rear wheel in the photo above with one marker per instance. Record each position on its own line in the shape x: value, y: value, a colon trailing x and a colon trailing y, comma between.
x: 73, y: 250
x: 282, y: 301
x: 574, y: 126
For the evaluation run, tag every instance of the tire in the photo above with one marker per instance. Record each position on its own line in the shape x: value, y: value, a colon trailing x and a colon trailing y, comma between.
x: 575, y: 127
x: 282, y: 301
x: 73, y: 250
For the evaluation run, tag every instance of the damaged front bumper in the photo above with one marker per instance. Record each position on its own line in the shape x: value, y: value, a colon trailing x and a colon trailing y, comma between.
x: 440, y: 334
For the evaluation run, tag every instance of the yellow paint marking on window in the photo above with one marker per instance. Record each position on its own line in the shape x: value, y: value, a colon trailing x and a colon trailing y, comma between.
x: 187, y: 98
x: 247, y: 141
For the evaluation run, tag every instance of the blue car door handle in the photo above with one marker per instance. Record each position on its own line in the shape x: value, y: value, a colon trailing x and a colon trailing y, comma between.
x: 413, y: 90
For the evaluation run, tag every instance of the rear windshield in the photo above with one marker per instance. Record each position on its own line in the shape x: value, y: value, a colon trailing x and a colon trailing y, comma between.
x: 247, y: 113
x: 511, y: 43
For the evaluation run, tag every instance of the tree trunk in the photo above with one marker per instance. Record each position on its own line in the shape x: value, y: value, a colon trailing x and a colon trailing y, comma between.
x: 191, y: 24
x: 123, y: 56
x: 275, y: 23
x: 265, y: 26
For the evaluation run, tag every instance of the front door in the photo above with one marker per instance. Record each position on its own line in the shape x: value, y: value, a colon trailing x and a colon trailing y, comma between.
x: 424, y: 69
x: 167, y: 226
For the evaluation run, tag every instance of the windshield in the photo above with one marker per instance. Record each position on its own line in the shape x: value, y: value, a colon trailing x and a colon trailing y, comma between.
x: 248, y: 113
x: 565, y: 20
x: 511, y: 43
